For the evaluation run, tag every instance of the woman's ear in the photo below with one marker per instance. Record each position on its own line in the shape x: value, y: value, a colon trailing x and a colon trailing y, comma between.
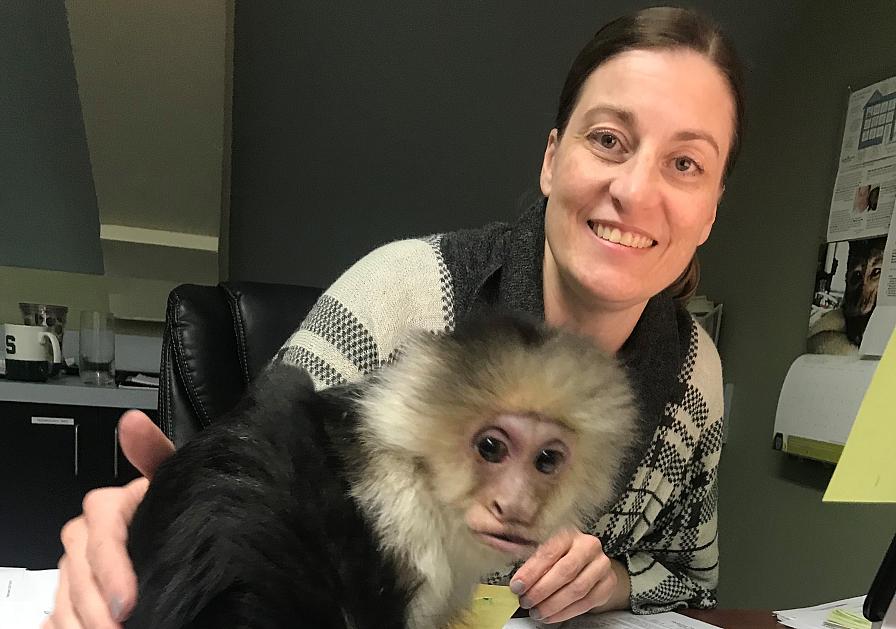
x: 547, y: 165
x: 704, y: 235
x: 708, y: 227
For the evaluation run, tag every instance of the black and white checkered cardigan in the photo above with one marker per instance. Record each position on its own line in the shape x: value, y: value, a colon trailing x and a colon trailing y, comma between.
x: 663, y: 525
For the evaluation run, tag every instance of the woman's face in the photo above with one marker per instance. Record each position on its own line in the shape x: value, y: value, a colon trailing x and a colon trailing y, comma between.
x: 634, y: 181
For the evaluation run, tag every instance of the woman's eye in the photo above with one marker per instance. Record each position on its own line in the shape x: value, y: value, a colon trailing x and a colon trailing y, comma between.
x: 491, y: 449
x: 606, y: 140
x: 686, y: 165
x: 548, y: 461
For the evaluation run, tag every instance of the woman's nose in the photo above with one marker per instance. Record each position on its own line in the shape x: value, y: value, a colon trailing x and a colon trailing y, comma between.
x: 636, y: 185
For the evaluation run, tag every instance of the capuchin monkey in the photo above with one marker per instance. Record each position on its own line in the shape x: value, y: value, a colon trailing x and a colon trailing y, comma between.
x: 382, y: 504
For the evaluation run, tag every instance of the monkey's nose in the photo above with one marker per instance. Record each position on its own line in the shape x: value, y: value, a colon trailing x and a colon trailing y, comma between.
x: 518, y: 510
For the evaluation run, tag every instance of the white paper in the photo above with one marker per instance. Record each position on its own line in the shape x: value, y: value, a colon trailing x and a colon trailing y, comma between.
x: 862, y: 201
x: 883, y: 319
x: 868, y: 132
x: 26, y: 597
x: 814, y: 617
x: 821, y: 396
x: 617, y: 620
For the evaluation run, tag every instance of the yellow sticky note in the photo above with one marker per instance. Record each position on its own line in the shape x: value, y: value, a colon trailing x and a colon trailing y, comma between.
x: 865, y: 471
x: 493, y: 605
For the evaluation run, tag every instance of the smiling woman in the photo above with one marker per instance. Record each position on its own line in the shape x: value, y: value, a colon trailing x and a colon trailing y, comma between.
x: 648, y: 127
x: 633, y: 181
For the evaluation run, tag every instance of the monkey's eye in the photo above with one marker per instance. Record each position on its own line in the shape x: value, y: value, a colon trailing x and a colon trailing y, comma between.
x: 491, y: 449
x: 548, y: 461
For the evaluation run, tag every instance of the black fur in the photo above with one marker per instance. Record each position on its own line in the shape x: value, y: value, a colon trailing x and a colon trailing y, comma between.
x: 249, y: 524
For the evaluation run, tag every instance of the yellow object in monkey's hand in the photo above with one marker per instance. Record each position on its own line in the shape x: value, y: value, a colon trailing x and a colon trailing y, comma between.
x: 493, y: 605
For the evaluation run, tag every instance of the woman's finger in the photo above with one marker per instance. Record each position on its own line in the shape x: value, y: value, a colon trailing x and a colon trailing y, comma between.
x: 79, y: 604
x: 108, y: 513
x: 143, y: 443
x: 589, y: 589
x: 582, y: 550
x: 542, y: 560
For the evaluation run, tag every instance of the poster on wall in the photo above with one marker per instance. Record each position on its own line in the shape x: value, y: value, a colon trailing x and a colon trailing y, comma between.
x: 868, y: 132
x: 883, y: 318
x: 862, y: 201
x: 845, y: 295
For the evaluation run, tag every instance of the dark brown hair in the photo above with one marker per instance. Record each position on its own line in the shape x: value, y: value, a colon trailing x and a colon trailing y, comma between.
x: 661, y: 28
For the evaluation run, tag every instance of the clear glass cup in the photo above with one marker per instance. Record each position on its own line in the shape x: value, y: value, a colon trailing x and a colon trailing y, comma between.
x: 96, y: 348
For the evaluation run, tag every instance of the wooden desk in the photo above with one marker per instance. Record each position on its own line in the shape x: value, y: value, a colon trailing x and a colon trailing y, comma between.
x: 735, y: 618
x: 726, y: 618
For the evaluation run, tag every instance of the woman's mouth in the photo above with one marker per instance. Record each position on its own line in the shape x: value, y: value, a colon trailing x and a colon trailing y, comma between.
x: 620, y: 237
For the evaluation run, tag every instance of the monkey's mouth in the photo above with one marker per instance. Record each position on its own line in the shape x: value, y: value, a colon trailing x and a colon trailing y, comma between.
x: 506, y: 543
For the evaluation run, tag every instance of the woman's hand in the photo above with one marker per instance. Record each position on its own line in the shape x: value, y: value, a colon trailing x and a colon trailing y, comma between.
x: 570, y: 575
x: 97, y: 585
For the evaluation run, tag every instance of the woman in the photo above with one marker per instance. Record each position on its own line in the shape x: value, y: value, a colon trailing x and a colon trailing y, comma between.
x: 647, y: 130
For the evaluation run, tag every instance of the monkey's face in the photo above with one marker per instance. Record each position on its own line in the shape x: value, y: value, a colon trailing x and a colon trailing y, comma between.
x: 518, y: 462
x: 862, y: 280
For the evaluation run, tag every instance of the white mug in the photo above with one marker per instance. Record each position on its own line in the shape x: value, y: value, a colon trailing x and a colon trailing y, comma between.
x: 26, y: 348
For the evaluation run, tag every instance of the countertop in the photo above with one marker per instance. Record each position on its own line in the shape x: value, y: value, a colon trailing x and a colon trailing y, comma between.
x: 70, y: 390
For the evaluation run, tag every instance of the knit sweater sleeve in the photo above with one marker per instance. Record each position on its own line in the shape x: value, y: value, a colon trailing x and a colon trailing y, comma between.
x: 360, y: 322
x: 675, y: 564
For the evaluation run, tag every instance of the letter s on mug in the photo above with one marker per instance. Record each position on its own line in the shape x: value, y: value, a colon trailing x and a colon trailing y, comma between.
x: 10, y: 344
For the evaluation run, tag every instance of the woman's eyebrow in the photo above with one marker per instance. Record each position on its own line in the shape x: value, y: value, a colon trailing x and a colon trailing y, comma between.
x: 690, y: 134
x: 623, y: 115
x: 627, y: 118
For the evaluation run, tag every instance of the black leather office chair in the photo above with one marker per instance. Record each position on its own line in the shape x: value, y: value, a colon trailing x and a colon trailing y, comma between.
x: 216, y: 339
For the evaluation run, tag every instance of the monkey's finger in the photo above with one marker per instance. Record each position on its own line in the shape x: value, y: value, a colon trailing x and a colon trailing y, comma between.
x: 79, y: 603
x: 143, y: 443
x: 108, y: 513
x: 591, y: 587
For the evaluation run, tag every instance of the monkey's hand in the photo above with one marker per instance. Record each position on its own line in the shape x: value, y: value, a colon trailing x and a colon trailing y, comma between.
x: 569, y: 575
x: 97, y: 586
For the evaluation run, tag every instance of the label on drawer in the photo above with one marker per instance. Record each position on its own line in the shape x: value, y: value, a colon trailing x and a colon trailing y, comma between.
x: 55, y: 421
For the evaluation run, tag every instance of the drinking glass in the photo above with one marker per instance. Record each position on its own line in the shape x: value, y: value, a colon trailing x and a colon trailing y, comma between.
x: 96, y: 353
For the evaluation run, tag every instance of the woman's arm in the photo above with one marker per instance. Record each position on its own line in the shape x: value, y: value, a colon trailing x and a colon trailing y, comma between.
x: 97, y: 586
x: 676, y: 561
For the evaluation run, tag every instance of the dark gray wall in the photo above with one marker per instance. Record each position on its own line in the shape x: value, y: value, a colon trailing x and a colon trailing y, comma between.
x: 356, y: 123
x: 48, y: 209
x: 352, y: 127
x: 781, y: 546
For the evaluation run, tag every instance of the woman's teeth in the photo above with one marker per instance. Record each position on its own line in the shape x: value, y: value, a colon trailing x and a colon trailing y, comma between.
x: 626, y: 239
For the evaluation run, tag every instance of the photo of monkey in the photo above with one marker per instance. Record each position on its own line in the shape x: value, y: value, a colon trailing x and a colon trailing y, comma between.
x: 865, y: 199
x: 846, y: 285
x: 381, y: 504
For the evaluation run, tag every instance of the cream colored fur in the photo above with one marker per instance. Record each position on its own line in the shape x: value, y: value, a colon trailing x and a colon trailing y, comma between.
x: 417, y: 420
